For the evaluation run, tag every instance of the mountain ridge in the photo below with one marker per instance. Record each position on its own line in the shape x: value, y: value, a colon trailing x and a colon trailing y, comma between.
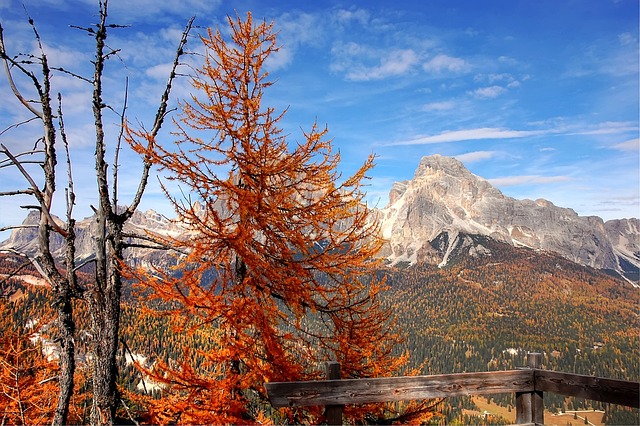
x: 445, y: 198
x: 426, y: 218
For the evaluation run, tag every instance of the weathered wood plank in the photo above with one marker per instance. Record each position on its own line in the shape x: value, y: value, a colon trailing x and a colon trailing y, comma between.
x: 597, y: 388
x: 524, y: 413
x: 534, y: 361
x: 333, y: 413
x: 360, y: 391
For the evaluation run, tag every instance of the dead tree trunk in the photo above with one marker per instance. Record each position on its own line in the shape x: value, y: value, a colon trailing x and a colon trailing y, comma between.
x: 104, y: 299
x: 104, y: 296
x: 44, y: 261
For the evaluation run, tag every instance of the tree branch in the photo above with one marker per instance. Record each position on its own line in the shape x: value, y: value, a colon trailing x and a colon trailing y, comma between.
x: 159, y: 120
x: 14, y: 89
x: 9, y: 228
x: 116, y: 164
x: 69, y: 193
x: 28, y: 120
x: 36, y: 191
x: 18, y: 192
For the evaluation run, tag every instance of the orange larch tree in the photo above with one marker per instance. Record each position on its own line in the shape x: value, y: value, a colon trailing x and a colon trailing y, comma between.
x: 28, y: 388
x: 280, y: 262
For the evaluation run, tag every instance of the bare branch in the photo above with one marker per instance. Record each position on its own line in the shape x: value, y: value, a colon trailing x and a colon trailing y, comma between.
x: 18, y: 192
x: 88, y: 260
x: 9, y: 228
x: 36, y: 191
x: 22, y: 154
x: 69, y: 192
x: 8, y: 163
x: 14, y: 88
x: 72, y: 74
x: 97, y: 106
x: 50, y: 379
x: 15, y: 271
x: 34, y: 187
x: 116, y: 163
x: 159, y: 119
x: 16, y: 125
x: 156, y: 242
x: 35, y: 261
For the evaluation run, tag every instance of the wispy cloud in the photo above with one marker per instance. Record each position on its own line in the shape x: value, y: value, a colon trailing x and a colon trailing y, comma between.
x: 527, y: 180
x: 295, y: 30
x: 608, y: 128
x: 446, y: 64
x: 630, y: 145
x: 343, y: 16
x: 439, y: 106
x: 489, y: 92
x: 627, y: 38
x: 152, y: 10
x: 481, y: 133
x: 472, y: 157
x: 351, y: 58
x: 471, y: 134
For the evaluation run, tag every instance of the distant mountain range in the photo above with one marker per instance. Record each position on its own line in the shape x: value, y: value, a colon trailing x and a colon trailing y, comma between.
x: 428, y: 218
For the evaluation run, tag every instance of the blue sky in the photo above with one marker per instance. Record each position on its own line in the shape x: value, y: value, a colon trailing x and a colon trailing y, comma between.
x: 538, y: 97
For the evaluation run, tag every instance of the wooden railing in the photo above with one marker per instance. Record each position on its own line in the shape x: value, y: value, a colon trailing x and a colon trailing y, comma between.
x: 529, y: 385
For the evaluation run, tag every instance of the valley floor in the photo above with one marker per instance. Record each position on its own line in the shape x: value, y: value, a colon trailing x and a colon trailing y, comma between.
x: 574, y: 418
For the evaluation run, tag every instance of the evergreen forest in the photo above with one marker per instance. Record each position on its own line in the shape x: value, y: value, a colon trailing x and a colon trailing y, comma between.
x: 476, y: 314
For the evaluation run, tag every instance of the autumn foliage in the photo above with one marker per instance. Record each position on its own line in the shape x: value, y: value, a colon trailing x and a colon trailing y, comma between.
x: 29, y: 369
x: 280, y: 263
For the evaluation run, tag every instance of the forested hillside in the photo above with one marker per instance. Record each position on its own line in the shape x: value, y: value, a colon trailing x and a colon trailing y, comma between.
x: 477, y: 314
x: 487, y: 313
x: 518, y: 299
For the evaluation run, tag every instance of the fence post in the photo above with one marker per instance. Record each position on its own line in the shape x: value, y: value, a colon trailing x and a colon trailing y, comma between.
x: 333, y: 412
x: 530, y: 405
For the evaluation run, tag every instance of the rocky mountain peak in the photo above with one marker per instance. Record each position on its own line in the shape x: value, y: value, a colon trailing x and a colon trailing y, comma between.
x: 439, y: 165
x: 446, y: 198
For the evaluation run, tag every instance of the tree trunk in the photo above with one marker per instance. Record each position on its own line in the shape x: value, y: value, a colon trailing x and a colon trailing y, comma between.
x: 105, y: 325
x: 104, y: 302
x: 67, y: 331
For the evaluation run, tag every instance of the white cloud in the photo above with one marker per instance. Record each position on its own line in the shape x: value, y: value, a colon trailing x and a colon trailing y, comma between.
x: 527, y: 180
x: 630, y: 145
x: 61, y: 56
x: 294, y: 30
x: 76, y: 103
x: 508, y: 60
x: 152, y: 10
x: 439, y: 106
x: 472, y: 157
x: 489, y: 92
x: 626, y: 39
x: 160, y: 71
x: 351, y: 58
x: 360, y: 16
x: 608, y: 128
x: 500, y: 77
x: 446, y: 64
x: 472, y: 134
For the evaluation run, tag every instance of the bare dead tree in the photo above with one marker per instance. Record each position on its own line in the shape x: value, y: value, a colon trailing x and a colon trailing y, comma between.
x: 61, y: 283
x: 104, y: 296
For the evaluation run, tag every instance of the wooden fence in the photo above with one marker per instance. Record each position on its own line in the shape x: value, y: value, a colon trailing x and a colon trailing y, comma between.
x: 529, y: 385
